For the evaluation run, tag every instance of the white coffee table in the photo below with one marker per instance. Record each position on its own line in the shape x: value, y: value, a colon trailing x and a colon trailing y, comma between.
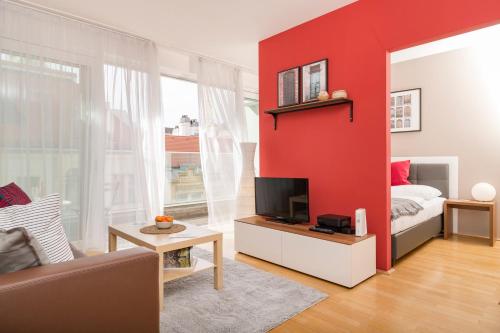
x: 162, y: 243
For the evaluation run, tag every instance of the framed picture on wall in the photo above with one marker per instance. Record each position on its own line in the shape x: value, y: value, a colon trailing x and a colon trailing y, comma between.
x: 288, y: 87
x: 405, y: 110
x: 314, y: 80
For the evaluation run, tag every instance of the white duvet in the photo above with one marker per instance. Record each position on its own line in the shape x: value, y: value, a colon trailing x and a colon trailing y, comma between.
x: 432, y: 208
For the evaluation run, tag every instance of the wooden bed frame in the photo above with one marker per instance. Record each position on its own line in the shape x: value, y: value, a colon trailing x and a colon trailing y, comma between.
x: 435, y: 175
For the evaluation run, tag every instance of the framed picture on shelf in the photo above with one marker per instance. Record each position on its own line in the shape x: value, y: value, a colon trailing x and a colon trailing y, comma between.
x: 406, y: 110
x: 288, y: 87
x: 314, y: 80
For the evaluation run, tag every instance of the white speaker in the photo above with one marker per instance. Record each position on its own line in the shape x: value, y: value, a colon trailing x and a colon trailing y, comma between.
x: 361, y: 228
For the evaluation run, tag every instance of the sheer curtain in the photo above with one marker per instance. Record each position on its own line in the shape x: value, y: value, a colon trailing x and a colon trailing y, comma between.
x: 80, y: 115
x: 222, y: 128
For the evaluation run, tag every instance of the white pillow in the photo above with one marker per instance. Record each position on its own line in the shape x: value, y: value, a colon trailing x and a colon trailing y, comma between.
x: 421, y: 191
x: 43, y: 219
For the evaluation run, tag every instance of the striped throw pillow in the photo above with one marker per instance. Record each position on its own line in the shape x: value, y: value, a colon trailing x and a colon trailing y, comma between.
x: 43, y: 219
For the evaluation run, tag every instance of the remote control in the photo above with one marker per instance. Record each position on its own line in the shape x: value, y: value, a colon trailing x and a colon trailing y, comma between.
x: 323, y: 230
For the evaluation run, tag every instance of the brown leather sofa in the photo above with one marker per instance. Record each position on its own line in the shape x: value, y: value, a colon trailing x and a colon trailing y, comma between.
x: 114, y: 292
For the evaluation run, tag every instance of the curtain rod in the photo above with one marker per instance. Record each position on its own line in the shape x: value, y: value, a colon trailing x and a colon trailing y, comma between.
x: 44, y: 9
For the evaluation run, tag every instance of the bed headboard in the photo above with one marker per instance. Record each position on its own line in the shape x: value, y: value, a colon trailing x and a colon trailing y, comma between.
x: 435, y: 175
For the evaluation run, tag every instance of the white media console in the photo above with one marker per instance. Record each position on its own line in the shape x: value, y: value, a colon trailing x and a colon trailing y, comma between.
x: 343, y: 259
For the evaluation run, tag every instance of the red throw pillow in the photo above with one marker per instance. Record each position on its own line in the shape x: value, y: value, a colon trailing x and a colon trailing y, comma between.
x: 13, y: 195
x: 400, y: 172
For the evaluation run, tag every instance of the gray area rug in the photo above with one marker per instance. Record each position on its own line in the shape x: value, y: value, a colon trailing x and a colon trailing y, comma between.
x: 251, y: 300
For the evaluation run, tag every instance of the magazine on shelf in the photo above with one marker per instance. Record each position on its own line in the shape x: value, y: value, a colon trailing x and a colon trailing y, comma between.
x: 179, y: 259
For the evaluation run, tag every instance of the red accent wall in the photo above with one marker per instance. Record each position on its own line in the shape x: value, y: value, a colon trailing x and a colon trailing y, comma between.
x: 348, y: 164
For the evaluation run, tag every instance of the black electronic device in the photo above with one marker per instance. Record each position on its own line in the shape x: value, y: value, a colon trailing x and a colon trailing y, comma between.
x: 284, y: 199
x: 323, y: 230
x: 334, y: 221
x: 347, y: 230
x: 337, y: 223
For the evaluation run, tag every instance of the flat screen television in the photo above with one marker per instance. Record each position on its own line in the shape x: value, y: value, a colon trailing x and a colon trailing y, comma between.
x: 284, y: 199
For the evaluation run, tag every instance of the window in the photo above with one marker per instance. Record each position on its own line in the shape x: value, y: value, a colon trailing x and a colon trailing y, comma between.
x: 123, y: 197
x: 184, y: 179
x: 36, y: 152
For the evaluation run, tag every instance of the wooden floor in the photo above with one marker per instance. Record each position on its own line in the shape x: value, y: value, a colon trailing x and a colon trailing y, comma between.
x: 444, y: 286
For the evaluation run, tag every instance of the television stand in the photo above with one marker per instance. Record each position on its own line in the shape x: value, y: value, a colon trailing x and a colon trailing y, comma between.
x: 343, y: 259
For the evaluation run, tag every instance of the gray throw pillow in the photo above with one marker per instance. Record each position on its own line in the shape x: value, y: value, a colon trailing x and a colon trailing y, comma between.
x: 20, y: 250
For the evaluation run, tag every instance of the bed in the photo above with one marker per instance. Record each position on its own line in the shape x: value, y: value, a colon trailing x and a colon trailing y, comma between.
x: 409, y: 232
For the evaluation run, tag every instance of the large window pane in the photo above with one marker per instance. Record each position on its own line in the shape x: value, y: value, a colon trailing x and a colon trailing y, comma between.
x: 41, y: 106
x: 184, y: 179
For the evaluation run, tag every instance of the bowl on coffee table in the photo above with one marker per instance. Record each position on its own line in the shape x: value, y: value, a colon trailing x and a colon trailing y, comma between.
x: 164, y: 225
x: 164, y: 222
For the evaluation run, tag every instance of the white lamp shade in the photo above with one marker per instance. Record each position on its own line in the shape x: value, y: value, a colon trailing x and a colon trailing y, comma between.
x: 483, y: 192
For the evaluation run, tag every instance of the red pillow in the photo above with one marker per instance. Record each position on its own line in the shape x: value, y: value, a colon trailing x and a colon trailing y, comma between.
x: 400, y: 172
x: 13, y: 195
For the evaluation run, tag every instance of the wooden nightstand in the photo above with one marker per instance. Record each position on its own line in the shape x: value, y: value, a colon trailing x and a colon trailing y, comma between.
x: 489, y: 206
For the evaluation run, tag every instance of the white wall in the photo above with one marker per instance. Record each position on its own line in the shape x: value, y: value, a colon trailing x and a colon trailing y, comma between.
x: 183, y: 65
x: 460, y: 117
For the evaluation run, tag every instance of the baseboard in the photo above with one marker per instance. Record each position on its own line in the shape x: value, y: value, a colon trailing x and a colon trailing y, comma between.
x: 384, y: 272
x: 476, y: 236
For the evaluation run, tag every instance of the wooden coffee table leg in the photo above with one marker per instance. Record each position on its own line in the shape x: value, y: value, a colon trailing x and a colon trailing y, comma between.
x: 160, y: 280
x: 218, y: 263
x: 111, y: 242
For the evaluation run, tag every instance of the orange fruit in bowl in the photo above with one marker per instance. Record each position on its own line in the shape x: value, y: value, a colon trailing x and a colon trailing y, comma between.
x: 163, y: 218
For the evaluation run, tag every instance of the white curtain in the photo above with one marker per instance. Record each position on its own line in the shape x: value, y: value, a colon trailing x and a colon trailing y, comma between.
x: 222, y: 128
x: 80, y: 115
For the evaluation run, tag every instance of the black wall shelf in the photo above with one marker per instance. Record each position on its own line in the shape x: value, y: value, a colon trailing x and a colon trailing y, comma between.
x: 312, y: 105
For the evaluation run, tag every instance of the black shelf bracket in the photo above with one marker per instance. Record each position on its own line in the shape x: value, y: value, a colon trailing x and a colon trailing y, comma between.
x: 275, y: 116
x: 351, y: 111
